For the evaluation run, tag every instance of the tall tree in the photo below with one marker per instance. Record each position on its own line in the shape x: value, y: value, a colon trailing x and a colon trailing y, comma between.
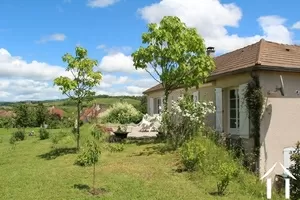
x: 22, y: 117
x: 41, y: 114
x: 175, y: 54
x: 84, y: 79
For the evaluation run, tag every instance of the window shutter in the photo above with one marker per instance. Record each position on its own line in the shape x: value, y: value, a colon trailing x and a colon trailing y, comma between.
x: 244, y: 117
x: 151, y: 107
x: 219, y: 109
x: 287, y: 156
x: 162, y: 103
x: 196, y: 96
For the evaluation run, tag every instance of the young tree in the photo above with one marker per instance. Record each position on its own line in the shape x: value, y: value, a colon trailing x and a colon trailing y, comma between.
x: 41, y: 114
x: 175, y: 54
x: 84, y: 78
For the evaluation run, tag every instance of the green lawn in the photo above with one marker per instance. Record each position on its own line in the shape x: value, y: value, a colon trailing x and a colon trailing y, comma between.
x: 139, y: 172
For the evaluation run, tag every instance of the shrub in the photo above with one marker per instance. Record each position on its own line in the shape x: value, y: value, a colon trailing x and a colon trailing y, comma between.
x: 57, y: 136
x: 44, y: 133
x: 184, y: 120
x: 12, y: 140
x: 83, y: 159
x: 115, y: 147
x: 295, y: 170
x: 226, y: 172
x: 123, y: 113
x: 192, y: 153
x: 19, y: 135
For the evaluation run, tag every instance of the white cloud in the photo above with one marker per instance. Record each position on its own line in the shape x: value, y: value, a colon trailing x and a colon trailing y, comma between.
x: 135, y: 89
x: 115, y: 50
x: 54, y: 37
x: 101, y: 46
x: 211, y: 18
x: 26, y: 89
x: 118, y: 62
x: 16, y: 67
x: 101, y: 3
x: 296, y: 25
x: 274, y: 29
x: 21, y: 80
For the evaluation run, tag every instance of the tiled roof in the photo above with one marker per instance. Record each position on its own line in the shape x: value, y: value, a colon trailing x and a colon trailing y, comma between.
x: 263, y: 53
x: 56, y: 111
x: 91, y: 112
x: 5, y: 113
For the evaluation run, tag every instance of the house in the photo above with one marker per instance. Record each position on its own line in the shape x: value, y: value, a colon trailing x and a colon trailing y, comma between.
x: 91, y: 113
x: 56, y: 111
x: 7, y: 113
x: 225, y: 87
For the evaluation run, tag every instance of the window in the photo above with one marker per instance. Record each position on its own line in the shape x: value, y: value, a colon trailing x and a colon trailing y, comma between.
x: 234, y: 113
x: 158, y: 105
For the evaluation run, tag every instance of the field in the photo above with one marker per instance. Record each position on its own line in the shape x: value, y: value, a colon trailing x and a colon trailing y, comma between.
x: 32, y: 170
x: 70, y: 107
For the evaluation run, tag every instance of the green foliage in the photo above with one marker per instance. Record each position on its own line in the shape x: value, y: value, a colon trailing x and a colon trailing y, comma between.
x: 58, y: 136
x: 6, y: 122
x: 142, y: 107
x: 91, y: 152
x: 184, y: 120
x: 18, y: 135
x: 118, y: 147
x: 254, y: 102
x: 121, y: 112
x: 12, y: 140
x: 44, y: 133
x: 226, y: 173
x: 295, y: 170
x: 41, y: 114
x: 84, y: 80
x: 192, y: 155
x: 22, y: 118
x: 176, y: 53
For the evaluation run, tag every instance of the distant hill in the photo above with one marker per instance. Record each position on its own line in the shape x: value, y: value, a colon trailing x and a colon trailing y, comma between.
x: 99, y: 99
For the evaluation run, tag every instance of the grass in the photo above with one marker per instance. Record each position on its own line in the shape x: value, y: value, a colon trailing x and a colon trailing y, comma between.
x: 33, y: 170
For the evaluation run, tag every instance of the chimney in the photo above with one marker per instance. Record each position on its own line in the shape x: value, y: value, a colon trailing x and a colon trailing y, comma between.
x: 210, y: 51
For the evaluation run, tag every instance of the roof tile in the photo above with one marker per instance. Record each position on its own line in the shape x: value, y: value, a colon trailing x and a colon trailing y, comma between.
x: 266, y: 53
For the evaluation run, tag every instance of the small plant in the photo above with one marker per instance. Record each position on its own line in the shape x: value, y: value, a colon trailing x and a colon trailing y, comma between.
x: 19, y: 135
x: 44, y: 134
x: 226, y: 172
x: 57, y: 136
x: 12, y: 140
x: 91, y: 155
x: 115, y: 147
x: 192, y: 153
x: 295, y: 170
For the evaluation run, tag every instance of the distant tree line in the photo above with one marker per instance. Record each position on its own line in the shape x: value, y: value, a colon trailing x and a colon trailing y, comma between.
x: 34, y: 116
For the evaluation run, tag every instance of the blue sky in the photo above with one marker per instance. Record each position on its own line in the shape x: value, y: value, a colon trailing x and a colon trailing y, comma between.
x: 35, y: 34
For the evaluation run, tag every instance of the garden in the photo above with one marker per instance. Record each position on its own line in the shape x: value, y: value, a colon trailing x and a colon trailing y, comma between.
x: 77, y: 160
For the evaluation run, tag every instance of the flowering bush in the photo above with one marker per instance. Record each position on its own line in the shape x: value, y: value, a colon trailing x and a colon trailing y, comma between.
x: 185, y: 119
x: 121, y: 112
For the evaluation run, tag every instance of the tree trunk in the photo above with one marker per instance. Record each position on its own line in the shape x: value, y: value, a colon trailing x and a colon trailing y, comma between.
x: 94, y: 177
x: 78, y: 128
x: 165, y: 100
